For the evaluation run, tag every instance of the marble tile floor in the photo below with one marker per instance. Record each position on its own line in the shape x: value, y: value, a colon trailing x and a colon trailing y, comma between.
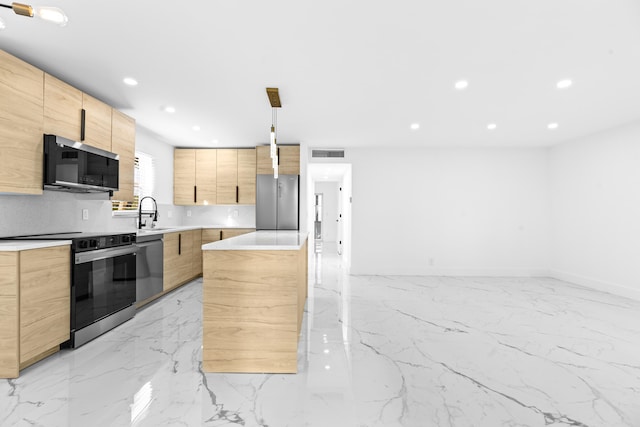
x: 374, y: 351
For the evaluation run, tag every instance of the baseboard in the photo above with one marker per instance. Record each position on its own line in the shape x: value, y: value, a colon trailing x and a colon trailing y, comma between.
x: 459, y: 272
x: 599, y: 285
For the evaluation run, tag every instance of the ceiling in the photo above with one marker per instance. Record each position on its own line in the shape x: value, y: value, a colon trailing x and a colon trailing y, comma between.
x: 350, y: 73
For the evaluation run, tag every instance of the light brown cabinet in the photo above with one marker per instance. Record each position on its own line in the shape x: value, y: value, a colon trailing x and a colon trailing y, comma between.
x: 34, y: 306
x: 236, y: 172
x: 97, y: 123
x: 214, y: 176
x: 288, y: 156
x: 182, y: 257
x: 227, y: 177
x: 194, y: 176
x: 62, y: 109
x: 33, y: 103
x: 21, y: 106
x: 45, y: 275
x: 123, y: 142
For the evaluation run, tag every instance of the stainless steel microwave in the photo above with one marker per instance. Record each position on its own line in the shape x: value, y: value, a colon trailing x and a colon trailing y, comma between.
x: 74, y: 166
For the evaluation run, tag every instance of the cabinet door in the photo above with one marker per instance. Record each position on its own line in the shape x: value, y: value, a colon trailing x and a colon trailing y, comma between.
x: 289, y: 156
x: 45, y: 292
x: 123, y: 142
x: 62, y: 108
x: 9, y: 315
x: 264, y: 165
x: 21, y: 104
x: 211, y: 235
x: 247, y: 176
x: 177, y: 251
x: 184, y: 176
x: 227, y: 176
x: 97, y: 123
x: 206, y: 176
x: 289, y: 160
x: 196, y: 254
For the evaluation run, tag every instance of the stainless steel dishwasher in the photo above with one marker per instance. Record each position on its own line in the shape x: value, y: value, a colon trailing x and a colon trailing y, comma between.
x: 149, y: 277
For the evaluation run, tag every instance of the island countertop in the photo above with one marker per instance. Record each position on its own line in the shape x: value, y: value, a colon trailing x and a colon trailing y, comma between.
x: 264, y: 240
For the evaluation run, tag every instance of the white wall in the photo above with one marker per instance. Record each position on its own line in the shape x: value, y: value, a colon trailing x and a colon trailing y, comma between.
x: 595, y: 210
x: 450, y: 211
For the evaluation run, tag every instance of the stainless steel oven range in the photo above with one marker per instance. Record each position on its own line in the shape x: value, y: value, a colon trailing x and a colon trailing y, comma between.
x: 103, y: 282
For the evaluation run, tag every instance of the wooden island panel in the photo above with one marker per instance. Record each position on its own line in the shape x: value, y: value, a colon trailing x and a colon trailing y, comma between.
x: 252, y: 309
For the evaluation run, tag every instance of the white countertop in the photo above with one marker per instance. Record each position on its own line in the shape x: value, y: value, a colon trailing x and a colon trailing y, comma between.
x: 25, y: 245
x: 283, y: 240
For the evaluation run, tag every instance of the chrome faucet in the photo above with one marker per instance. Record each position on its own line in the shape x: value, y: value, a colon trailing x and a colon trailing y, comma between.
x: 155, y: 212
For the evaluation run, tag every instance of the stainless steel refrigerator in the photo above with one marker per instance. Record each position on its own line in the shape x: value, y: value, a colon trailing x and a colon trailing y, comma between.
x: 277, y: 202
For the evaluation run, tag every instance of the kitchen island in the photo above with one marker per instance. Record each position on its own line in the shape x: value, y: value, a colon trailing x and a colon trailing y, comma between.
x: 254, y: 292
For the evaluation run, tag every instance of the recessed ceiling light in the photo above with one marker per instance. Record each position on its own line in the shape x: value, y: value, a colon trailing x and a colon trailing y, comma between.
x: 130, y: 81
x: 492, y: 126
x: 169, y: 109
x: 461, y: 84
x: 196, y: 128
x: 563, y: 84
x: 552, y: 126
x: 327, y: 367
x: 415, y: 126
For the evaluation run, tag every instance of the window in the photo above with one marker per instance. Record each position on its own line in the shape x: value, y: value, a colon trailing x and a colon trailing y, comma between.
x: 143, y: 183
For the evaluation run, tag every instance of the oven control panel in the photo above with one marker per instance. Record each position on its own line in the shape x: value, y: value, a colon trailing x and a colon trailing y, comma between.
x: 103, y: 242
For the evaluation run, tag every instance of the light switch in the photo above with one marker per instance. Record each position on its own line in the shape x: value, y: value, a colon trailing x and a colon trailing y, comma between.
x: 85, y: 214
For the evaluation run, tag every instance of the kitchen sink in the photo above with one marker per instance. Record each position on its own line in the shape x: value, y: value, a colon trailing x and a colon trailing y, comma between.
x: 150, y: 230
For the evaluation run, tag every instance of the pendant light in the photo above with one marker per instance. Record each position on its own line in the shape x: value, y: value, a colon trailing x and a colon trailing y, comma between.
x: 46, y: 13
x: 274, y: 100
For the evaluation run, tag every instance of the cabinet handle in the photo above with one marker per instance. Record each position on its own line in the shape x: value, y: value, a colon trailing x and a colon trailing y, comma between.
x: 237, y: 194
x: 83, y: 119
x: 179, y: 244
x: 220, y: 234
x: 278, y: 154
x: 195, y: 194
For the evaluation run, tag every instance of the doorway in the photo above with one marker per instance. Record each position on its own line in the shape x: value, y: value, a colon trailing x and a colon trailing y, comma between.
x: 330, y: 208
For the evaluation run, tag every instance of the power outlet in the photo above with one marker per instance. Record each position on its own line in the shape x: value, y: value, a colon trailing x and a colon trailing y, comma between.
x: 169, y: 214
x: 188, y: 212
x: 85, y: 214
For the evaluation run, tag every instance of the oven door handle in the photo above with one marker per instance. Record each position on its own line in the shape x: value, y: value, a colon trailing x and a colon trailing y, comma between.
x: 83, y: 257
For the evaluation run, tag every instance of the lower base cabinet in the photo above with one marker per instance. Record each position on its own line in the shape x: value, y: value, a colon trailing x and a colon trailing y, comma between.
x: 182, y: 257
x: 34, y: 306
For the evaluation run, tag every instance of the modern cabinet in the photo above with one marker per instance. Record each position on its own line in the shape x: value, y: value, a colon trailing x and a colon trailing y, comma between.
x: 123, y: 142
x: 214, y: 176
x: 21, y: 106
x: 45, y: 277
x: 194, y: 176
x: 236, y: 175
x: 97, y: 123
x: 62, y: 109
x: 182, y: 257
x: 34, y: 306
x: 227, y: 177
x: 196, y: 253
x: 288, y: 157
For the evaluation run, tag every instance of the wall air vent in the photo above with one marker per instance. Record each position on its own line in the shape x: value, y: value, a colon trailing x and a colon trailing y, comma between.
x: 329, y: 153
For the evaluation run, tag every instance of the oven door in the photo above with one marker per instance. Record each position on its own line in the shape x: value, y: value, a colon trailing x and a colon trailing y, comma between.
x: 104, y: 282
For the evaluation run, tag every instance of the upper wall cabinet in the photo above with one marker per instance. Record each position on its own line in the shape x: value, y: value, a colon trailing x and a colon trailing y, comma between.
x: 288, y: 157
x: 236, y: 172
x: 194, y: 176
x: 21, y: 104
x: 97, y: 123
x: 62, y: 109
x: 123, y: 142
